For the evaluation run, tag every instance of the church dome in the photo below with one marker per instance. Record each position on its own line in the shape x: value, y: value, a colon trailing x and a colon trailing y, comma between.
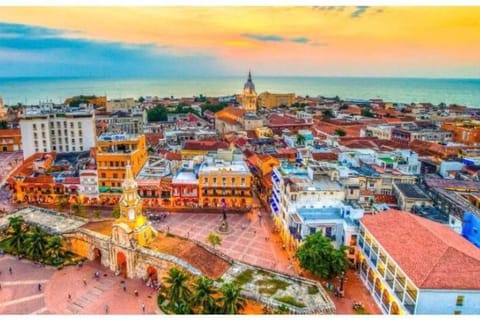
x: 249, y: 84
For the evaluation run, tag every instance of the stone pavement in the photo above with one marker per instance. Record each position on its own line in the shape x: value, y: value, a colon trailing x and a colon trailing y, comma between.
x: 19, y: 292
x: 252, y: 239
x: 247, y: 243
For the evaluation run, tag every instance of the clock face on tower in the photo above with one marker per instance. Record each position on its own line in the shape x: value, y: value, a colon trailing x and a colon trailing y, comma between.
x: 131, y: 214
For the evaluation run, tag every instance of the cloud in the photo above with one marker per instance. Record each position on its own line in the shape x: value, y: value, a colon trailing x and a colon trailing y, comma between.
x: 300, y: 40
x: 359, y: 11
x: 61, y: 55
x: 275, y: 38
x: 265, y: 38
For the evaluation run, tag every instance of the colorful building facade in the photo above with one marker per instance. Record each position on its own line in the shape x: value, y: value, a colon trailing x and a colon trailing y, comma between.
x: 113, y: 154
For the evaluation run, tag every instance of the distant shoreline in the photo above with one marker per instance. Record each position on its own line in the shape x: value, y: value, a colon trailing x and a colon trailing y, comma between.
x: 32, y: 90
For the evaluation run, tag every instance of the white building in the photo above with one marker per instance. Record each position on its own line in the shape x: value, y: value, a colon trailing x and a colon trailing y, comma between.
x: 412, y: 265
x: 310, y: 199
x: 88, y: 184
x: 59, y: 132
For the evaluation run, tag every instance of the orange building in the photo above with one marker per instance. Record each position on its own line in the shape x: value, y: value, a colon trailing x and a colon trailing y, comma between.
x: 10, y: 140
x: 114, y: 152
x: 467, y: 132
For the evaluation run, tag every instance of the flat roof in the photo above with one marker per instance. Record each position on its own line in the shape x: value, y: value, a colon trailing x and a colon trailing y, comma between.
x: 411, y: 191
x: 186, y: 177
x: 50, y: 221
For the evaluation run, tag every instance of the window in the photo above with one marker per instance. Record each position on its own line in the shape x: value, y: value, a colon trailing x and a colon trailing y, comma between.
x: 43, y: 125
x: 79, y: 125
x: 34, y: 126
x: 103, y: 175
x: 460, y: 301
x: 205, y: 180
x: 71, y: 125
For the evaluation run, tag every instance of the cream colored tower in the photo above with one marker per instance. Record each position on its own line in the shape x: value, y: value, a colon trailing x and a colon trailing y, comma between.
x: 132, y: 220
x: 249, y: 96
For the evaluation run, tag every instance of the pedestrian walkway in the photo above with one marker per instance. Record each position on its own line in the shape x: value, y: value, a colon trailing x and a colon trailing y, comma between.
x: 20, y: 295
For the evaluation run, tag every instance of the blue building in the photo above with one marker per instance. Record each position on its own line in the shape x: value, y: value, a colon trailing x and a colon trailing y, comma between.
x: 471, y: 225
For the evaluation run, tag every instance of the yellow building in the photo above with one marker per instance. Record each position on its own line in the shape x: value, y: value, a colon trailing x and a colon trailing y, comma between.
x: 10, y: 140
x: 274, y: 100
x: 114, y: 152
x: 263, y: 132
x: 132, y: 220
x: 224, y: 183
x: 193, y: 148
x: 249, y: 96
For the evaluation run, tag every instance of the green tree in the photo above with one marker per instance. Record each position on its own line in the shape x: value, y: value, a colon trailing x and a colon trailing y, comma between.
x: 36, y: 243
x: 177, y: 290
x: 214, y: 239
x: 318, y: 255
x: 3, y: 124
x: 78, y: 209
x: 181, y: 307
x: 16, y: 227
x: 213, y: 107
x: 231, y: 302
x: 366, y: 112
x: 328, y: 113
x: 61, y: 203
x: 203, y: 295
x: 54, y: 247
x: 116, y: 212
x: 141, y: 99
x: 158, y: 113
x: 300, y: 139
x: 97, y: 214
x: 340, y: 132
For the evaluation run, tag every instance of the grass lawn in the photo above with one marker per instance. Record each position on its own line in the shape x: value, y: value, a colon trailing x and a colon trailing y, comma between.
x: 291, y: 301
x: 271, y: 286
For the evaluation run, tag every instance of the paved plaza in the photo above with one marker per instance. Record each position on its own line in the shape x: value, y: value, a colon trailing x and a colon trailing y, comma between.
x: 19, y: 293
x: 254, y: 241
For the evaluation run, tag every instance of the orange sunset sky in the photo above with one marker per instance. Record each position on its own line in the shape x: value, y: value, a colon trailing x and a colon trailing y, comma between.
x: 283, y: 41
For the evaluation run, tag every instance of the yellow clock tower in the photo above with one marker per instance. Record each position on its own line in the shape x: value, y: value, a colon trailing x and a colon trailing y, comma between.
x: 132, y: 220
x: 249, y: 96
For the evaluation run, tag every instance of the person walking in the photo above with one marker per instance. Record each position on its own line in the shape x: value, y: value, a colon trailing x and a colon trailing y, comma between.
x: 136, y: 293
x: 84, y: 281
x: 106, y: 308
x: 39, y: 287
x: 143, y: 307
x: 69, y: 297
x: 10, y: 270
x: 124, y: 287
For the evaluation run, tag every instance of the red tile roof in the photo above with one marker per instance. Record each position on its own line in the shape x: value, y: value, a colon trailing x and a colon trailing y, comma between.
x: 71, y: 180
x: 173, y: 156
x: 205, y: 145
x: 432, y: 255
x: 9, y: 132
x: 321, y: 156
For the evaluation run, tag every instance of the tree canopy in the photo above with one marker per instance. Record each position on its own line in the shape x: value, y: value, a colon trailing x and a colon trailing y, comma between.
x: 318, y: 255
x: 158, y: 113
x: 340, y: 132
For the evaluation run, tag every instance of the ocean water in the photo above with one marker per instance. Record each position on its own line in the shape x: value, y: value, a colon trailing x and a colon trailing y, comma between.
x: 406, y: 90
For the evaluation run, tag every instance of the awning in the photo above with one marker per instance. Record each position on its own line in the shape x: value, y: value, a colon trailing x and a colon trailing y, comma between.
x: 58, y: 185
x: 73, y: 187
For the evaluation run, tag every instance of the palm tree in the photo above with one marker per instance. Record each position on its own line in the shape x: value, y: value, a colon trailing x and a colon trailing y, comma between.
x: 178, y: 290
x: 202, y: 297
x: 55, y: 247
x: 78, y: 209
x: 16, y: 227
x: 231, y: 301
x: 36, y: 243
x: 300, y: 139
x: 182, y: 307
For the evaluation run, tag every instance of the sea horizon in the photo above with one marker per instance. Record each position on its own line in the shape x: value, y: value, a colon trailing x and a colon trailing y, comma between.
x: 32, y: 90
